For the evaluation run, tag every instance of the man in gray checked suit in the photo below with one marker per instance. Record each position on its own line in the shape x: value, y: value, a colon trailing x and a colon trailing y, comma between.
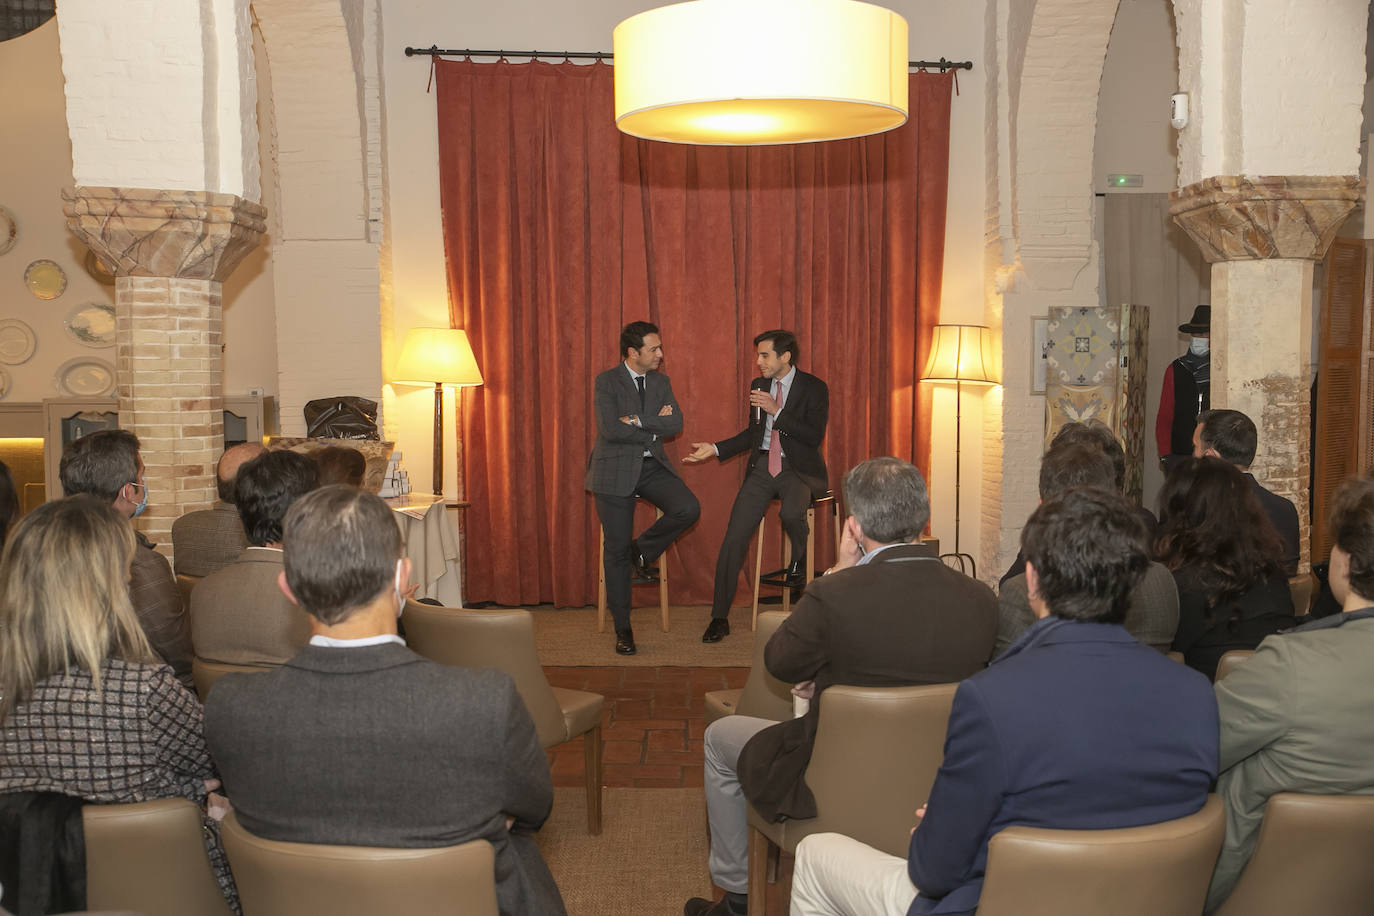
x: 358, y: 741
x: 635, y: 410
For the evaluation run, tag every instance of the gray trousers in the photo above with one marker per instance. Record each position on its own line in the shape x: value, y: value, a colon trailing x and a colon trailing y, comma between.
x: 726, y: 809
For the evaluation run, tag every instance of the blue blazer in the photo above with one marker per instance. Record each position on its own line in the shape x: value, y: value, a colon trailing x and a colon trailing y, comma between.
x: 1076, y: 726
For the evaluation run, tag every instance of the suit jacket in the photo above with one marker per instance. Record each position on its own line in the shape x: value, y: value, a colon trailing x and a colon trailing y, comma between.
x: 1284, y: 515
x: 161, y: 611
x: 1077, y: 726
x: 1294, y: 718
x: 1205, y: 634
x: 207, y: 540
x: 618, y: 454
x: 1152, y: 616
x: 376, y: 746
x: 240, y: 616
x: 904, y: 618
x: 801, y: 424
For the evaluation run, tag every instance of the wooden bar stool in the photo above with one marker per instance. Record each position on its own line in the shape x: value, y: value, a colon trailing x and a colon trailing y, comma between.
x: 828, y: 499
x: 601, y: 583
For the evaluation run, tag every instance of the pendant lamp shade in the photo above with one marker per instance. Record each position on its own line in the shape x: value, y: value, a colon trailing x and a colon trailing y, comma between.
x: 756, y: 72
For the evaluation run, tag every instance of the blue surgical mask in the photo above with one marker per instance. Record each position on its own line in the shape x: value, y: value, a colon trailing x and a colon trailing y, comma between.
x: 1199, y: 346
x: 138, y: 510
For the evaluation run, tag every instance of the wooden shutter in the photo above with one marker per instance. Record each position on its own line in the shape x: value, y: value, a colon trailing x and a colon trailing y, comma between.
x: 1339, y: 357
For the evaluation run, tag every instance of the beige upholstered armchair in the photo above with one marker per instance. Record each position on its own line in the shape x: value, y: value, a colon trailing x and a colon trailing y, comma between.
x: 305, y: 879
x: 876, y: 754
x: 1229, y: 661
x: 504, y: 639
x: 763, y: 695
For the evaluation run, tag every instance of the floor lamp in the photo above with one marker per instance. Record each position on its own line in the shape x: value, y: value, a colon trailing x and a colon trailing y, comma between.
x: 962, y: 354
x: 440, y: 357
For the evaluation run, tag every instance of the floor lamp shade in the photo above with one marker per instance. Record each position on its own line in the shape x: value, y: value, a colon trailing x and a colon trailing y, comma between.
x: 754, y: 72
x: 439, y: 357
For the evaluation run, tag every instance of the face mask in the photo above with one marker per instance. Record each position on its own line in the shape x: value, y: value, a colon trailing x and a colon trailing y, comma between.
x: 138, y: 510
x: 1198, y: 346
x: 400, y: 592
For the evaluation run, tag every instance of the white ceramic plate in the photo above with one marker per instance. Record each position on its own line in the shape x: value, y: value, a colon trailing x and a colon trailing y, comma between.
x: 45, y: 279
x: 17, y: 342
x: 85, y: 377
x: 9, y: 231
x: 92, y: 324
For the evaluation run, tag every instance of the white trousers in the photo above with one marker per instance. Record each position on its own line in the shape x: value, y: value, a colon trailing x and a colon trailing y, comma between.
x: 838, y: 876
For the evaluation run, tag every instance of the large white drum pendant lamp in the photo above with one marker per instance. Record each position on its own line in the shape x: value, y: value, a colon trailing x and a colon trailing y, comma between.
x: 751, y: 72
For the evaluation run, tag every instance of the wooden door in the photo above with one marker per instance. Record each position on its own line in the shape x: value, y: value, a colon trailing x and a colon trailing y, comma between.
x: 1339, y: 357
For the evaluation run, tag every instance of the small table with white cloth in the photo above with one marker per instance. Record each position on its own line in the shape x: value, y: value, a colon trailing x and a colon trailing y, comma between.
x: 432, y: 546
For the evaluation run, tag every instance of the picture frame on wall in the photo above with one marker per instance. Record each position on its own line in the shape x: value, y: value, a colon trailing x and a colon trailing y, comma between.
x: 1040, y: 342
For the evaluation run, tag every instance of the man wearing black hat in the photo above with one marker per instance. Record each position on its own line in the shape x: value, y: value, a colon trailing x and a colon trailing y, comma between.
x: 1187, y: 391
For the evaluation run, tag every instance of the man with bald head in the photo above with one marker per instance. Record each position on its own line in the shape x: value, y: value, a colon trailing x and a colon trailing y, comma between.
x: 207, y: 540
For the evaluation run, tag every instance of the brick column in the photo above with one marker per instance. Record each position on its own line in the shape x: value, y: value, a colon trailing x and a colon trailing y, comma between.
x: 1262, y: 236
x: 170, y: 250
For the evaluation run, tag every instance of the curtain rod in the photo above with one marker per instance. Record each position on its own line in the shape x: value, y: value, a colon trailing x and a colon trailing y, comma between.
x: 435, y: 51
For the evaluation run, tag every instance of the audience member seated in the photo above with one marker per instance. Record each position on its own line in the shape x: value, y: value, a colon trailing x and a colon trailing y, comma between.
x: 1091, y: 432
x: 239, y: 615
x: 9, y: 501
x: 1226, y: 559
x: 1230, y: 435
x: 1295, y: 717
x: 208, y: 540
x: 1078, y: 727
x: 357, y: 740
x: 106, y: 464
x: 87, y: 708
x: 1152, y: 615
x: 887, y: 614
x: 339, y: 464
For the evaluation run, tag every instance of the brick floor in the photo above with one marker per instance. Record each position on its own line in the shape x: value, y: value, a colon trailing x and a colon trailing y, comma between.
x: 651, y: 726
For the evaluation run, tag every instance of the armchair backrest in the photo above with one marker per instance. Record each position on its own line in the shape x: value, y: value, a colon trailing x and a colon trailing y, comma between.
x: 306, y: 879
x: 1155, y: 870
x: 150, y: 858
x: 501, y: 639
x: 1230, y: 661
x: 764, y: 696
x: 876, y: 754
x: 204, y: 673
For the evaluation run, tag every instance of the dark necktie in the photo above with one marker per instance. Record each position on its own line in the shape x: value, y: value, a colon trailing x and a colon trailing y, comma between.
x: 639, y: 380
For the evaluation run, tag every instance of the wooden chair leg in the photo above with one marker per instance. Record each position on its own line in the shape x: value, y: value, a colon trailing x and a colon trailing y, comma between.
x: 591, y: 755
x: 810, y: 543
x: 758, y: 571
x: 786, y: 562
x: 758, y: 871
x: 774, y: 857
x: 663, y: 588
x: 601, y: 586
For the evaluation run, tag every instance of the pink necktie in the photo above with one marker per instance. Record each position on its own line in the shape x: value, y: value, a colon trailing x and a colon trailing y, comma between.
x: 775, y: 443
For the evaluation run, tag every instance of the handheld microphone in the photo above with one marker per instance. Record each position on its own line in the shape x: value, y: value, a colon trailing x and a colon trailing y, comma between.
x: 755, y: 411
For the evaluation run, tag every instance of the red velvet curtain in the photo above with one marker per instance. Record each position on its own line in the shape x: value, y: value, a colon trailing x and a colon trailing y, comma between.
x: 559, y: 229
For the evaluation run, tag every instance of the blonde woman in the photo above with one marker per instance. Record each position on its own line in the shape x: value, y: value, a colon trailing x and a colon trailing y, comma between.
x: 86, y: 707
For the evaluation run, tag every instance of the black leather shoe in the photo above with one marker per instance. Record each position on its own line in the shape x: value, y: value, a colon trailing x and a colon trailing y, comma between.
x: 641, y: 573
x: 716, y: 630
x: 625, y: 642
x: 700, y: 906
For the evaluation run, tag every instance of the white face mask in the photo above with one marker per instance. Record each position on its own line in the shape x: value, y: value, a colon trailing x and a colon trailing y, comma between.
x: 400, y: 591
x: 1199, y: 346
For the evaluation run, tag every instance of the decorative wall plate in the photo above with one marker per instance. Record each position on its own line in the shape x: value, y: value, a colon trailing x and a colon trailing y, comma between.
x: 85, y: 377
x: 4, y: 383
x: 16, y: 341
x: 92, y: 324
x: 96, y: 268
x: 45, y: 279
x: 9, y: 232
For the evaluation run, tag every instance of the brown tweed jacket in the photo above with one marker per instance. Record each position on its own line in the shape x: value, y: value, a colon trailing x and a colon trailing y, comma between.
x: 206, y: 541
x: 240, y: 616
x: 161, y: 612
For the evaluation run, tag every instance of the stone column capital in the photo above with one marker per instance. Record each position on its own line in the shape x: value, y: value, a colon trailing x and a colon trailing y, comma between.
x: 147, y: 232
x: 1236, y: 218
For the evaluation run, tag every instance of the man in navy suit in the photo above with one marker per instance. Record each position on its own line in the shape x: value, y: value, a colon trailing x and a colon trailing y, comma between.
x: 635, y: 410
x: 1077, y: 726
x: 789, y: 409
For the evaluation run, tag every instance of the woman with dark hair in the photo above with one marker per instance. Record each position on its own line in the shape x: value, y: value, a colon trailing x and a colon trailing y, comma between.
x: 9, y: 502
x: 1227, y: 562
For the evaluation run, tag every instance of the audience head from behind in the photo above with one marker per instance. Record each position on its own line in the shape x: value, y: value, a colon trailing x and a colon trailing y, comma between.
x: 9, y: 501
x: 1085, y: 553
x: 1352, y: 551
x: 1075, y: 464
x: 343, y: 562
x: 234, y: 457
x: 886, y: 502
x: 1210, y: 519
x: 1226, y: 434
x: 264, y: 490
x: 1094, y: 432
x: 64, y: 595
x: 106, y: 464
x: 339, y: 464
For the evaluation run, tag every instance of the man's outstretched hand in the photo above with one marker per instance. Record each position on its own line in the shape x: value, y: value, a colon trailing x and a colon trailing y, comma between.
x: 701, y: 452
